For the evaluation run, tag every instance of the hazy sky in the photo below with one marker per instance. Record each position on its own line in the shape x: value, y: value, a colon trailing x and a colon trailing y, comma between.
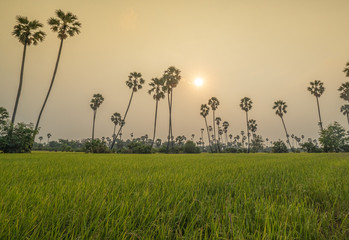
x: 265, y: 50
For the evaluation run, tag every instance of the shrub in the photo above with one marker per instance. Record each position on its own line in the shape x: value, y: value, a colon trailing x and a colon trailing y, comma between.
x: 279, y: 147
x: 96, y: 146
x: 190, y: 147
x: 333, y: 138
x: 136, y: 147
x: 310, y: 147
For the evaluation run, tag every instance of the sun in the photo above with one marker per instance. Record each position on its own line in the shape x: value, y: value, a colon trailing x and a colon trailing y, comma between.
x: 198, y: 82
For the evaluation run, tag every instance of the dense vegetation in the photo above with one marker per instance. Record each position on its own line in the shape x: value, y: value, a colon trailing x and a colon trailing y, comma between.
x: 79, y: 196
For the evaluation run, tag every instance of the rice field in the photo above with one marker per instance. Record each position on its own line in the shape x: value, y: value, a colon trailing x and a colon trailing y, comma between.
x: 158, y: 196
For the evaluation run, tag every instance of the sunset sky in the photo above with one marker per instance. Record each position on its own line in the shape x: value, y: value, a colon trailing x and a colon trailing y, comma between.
x: 265, y: 50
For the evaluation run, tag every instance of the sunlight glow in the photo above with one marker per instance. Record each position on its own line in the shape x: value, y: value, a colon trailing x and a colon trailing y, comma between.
x: 198, y: 82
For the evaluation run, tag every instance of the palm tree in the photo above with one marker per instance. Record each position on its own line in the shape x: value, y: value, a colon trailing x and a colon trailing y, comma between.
x: 202, y: 136
x: 156, y: 85
x: 116, y: 119
x: 345, y: 111
x: 214, y: 103
x: 204, y: 112
x: 66, y: 24
x: 317, y: 89
x: 280, y: 107
x: 246, y: 105
x: 40, y: 138
x: 346, y: 69
x: 218, y: 122
x: 134, y: 82
x: 344, y: 89
x: 49, y: 135
x: 252, y: 125
x: 171, y: 77
x: 26, y: 32
x: 225, y: 129
x: 96, y: 102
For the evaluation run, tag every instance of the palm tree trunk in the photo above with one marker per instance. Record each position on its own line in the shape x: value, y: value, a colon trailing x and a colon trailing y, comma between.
x: 348, y: 117
x: 208, y: 135
x: 121, y: 126
x: 248, y: 134
x: 93, y: 124
x: 172, y: 142
x: 318, y: 109
x: 156, y: 114
x: 169, y: 124
x: 214, y: 130
x: 114, y: 129
x: 49, y: 90
x: 20, y: 85
x: 288, y: 139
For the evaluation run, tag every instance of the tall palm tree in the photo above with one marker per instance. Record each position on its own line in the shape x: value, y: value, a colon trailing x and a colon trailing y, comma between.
x: 28, y: 33
x: 116, y: 119
x: 317, y: 89
x: 202, y: 136
x: 246, y: 105
x: 96, y: 102
x: 218, y: 122
x: 156, y: 85
x: 204, y: 112
x: 40, y: 138
x: 344, y: 89
x: 171, y: 77
x: 134, y: 82
x: 280, y: 107
x: 66, y: 25
x: 213, y: 102
x: 345, y: 111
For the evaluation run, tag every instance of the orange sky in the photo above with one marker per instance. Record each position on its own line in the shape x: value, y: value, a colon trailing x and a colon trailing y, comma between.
x: 265, y: 50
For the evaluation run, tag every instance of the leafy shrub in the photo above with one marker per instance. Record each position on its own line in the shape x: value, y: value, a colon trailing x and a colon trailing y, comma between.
x: 310, y: 147
x: 333, y: 138
x: 279, y: 147
x: 190, y: 147
x: 136, y: 147
x: 231, y: 150
x: 96, y: 146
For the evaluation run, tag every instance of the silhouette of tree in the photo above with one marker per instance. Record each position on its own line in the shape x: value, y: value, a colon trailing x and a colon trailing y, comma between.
x: 156, y: 85
x: 204, y: 112
x: 214, y: 103
x: 28, y: 33
x: 66, y: 24
x: 280, y: 107
x: 344, y: 91
x: 49, y: 135
x: 96, y: 102
x: 246, y: 105
x: 345, y: 111
x: 116, y: 119
x: 317, y: 89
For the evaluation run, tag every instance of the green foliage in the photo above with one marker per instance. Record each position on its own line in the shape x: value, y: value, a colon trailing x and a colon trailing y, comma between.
x: 190, y: 147
x: 193, y: 196
x: 136, y: 147
x: 3, y: 117
x: 16, y: 139
x: 279, y: 147
x: 257, y: 144
x: 96, y: 146
x: 310, y: 147
x: 333, y: 138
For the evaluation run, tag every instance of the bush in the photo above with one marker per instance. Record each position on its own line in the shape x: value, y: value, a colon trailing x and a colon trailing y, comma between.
x: 136, y: 147
x: 279, y: 147
x: 231, y: 150
x: 310, y: 147
x: 16, y: 139
x: 190, y: 147
x: 96, y: 146
x: 334, y: 138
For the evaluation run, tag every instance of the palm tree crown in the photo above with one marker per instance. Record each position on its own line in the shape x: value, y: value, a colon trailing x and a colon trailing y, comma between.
x: 96, y: 101
x: 280, y: 107
x: 65, y: 24
x: 135, y: 81
x: 116, y: 118
x: 345, y: 109
x: 346, y: 69
x: 246, y: 104
x: 171, y: 78
x: 316, y: 88
x: 204, y: 110
x: 214, y: 103
x: 344, y: 89
x: 25, y: 31
x: 156, y: 85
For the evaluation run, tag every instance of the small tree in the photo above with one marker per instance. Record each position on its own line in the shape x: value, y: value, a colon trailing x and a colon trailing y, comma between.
x: 279, y: 147
x: 333, y: 138
x: 96, y: 102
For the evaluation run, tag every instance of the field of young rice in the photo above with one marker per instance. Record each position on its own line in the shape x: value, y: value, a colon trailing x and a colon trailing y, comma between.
x: 202, y: 196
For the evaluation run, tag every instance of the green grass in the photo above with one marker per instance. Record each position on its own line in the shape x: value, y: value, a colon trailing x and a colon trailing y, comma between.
x: 203, y: 196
